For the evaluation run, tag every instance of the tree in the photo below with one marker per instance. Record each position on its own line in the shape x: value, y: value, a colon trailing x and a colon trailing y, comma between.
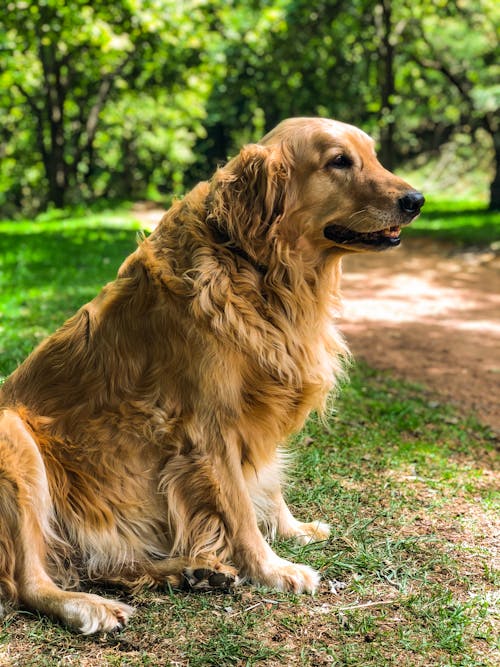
x: 455, y: 47
x: 65, y: 65
x: 144, y: 97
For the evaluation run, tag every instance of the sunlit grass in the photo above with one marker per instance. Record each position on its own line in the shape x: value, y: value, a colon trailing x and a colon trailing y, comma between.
x: 50, y: 268
x: 465, y: 222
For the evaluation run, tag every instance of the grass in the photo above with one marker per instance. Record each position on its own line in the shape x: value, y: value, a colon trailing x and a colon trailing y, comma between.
x: 464, y: 222
x: 408, y: 485
x: 49, y: 269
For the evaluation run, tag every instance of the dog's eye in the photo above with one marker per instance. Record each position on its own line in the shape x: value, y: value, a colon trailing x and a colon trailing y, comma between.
x: 339, y: 162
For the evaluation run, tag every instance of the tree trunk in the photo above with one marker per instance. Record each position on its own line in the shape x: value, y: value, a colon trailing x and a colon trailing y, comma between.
x: 55, y: 164
x: 495, y: 184
x: 387, y: 85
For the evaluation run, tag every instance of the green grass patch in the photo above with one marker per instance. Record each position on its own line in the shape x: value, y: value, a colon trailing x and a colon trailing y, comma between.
x: 465, y: 222
x: 408, y: 485
x: 50, y: 268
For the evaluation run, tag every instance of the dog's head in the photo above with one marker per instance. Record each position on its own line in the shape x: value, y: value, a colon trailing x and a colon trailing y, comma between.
x: 315, y: 183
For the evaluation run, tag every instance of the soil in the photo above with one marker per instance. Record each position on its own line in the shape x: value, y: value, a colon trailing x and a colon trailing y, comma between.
x: 429, y: 313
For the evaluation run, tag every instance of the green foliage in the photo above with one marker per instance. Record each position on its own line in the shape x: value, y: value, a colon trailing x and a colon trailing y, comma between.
x: 94, y: 98
x: 140, y: 98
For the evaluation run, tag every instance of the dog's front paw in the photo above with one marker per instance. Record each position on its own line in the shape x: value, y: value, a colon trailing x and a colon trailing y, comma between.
x: 316, y: 531
x: 285, y: 576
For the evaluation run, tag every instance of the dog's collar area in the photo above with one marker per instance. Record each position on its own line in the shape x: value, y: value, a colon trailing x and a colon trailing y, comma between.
x: 221, y: 238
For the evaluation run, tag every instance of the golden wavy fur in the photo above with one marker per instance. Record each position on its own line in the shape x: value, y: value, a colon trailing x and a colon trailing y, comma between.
x: 140, y: 444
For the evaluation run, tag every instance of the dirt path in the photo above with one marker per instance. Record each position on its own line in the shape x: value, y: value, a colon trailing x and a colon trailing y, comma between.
x: 429, y: 314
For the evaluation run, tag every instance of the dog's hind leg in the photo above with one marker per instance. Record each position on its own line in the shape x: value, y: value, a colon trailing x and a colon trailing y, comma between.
x: 25, y: 535
x: 194, y: 574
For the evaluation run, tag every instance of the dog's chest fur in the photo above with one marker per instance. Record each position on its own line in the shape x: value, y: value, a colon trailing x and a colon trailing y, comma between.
x: 266, y: 376
x: 257, y: 355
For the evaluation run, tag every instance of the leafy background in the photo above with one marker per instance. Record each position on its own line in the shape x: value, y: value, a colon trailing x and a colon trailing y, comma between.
x: 141, y: 98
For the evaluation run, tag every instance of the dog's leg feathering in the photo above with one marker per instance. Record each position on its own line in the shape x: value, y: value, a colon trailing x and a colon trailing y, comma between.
x: 251, y: 553
x: 212, y: 517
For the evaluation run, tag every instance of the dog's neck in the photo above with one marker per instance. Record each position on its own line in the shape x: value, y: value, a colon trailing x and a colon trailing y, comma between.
x: 221, y: 238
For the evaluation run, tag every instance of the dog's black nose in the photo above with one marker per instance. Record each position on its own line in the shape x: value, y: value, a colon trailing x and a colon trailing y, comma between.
x: 411, y: 202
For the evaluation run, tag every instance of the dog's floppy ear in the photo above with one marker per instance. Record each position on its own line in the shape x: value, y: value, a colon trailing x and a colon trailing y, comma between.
x: 248, y: 195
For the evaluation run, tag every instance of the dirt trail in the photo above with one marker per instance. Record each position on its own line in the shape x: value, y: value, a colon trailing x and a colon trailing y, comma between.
x: 429, y: 314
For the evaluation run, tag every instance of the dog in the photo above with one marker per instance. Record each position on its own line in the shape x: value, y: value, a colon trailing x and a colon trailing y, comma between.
x: 142, y: 444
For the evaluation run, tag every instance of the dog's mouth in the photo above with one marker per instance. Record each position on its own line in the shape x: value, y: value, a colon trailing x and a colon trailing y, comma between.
x: 382, y: 238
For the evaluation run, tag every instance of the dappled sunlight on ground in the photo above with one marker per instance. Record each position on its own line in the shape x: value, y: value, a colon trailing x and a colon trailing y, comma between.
x: 431, y: 315
x: 405, y: 300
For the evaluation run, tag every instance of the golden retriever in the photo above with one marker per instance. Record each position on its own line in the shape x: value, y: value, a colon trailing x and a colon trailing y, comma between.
x: 141, y: 443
